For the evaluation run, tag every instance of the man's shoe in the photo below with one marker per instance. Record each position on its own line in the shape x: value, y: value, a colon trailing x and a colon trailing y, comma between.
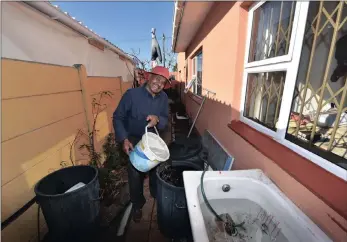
x: 137, y: 215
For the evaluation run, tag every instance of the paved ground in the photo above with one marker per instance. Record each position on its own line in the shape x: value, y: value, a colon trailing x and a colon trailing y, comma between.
x: 147, y: 229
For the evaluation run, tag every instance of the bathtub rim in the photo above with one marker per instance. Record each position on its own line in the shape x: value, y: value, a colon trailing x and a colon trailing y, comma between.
x: 192, y: 183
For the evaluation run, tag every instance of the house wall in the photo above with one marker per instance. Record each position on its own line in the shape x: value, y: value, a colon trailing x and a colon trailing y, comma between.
x: 181, y: 67
x: 222, y: 39
x: 43, y: 107
x: 30, y: 35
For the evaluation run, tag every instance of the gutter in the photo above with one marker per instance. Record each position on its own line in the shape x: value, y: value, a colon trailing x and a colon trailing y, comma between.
x: 55, y: 14
x: 178, y: 16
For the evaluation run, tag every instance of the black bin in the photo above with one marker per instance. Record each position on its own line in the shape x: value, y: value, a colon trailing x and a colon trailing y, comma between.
x: 172, y: 212
x: 178, y: 108
x: 187, y: 150
x: 183, y: 148
x: 71, y: 216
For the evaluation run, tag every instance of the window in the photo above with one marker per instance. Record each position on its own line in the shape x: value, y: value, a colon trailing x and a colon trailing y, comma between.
x: 197, y: 73
x: 295, y: 78
x: 263, y: 97
x: 271, y: 31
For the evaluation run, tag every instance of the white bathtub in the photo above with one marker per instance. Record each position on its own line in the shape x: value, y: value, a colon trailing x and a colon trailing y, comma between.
x: 254, y: 199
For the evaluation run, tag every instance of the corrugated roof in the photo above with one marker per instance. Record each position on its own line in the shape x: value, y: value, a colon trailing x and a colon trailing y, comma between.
x: 81, y: 23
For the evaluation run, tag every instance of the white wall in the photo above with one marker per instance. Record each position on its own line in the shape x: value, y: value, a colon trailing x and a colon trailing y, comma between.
x: 30, y: 35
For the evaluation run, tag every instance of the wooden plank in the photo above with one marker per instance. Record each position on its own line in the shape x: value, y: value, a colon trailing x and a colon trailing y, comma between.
x: 22, y: 79
x: 22, y: 153
x: 22, y: 115
x: 21, y: 190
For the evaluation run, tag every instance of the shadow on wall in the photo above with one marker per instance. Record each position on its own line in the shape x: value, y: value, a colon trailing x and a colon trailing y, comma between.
x: 309, y: 193
x: 100, y: 122
x: 42, y: 110
x: 215, y: 112
x: 102, y: 97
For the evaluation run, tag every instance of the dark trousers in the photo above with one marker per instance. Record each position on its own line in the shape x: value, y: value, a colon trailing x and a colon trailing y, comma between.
x: 135, y: 181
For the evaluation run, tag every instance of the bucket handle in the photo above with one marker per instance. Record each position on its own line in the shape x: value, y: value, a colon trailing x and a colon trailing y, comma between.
x: 147, y: 135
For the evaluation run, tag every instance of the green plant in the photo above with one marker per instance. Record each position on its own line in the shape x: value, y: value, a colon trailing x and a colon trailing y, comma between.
x: 110, y: 175
x: 93, y: 155
x: 111, y: 170
x: 114, y: 156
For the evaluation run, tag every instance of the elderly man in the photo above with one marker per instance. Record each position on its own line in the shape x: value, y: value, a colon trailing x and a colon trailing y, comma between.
x: 139, y: 107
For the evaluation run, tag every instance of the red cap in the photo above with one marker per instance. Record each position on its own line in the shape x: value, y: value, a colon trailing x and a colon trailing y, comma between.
x: 162, y: 71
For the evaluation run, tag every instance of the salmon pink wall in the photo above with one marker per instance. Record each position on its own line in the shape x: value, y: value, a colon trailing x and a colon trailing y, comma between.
x: 222, y: 40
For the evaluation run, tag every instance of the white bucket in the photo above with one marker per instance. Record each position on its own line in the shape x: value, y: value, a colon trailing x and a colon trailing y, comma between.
x: 149, y: 152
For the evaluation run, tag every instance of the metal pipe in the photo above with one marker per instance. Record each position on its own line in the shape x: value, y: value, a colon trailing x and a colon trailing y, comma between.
x: 208, y: 91
x: 201, y: 105
x: 196, y: 117
x: 164, y: 50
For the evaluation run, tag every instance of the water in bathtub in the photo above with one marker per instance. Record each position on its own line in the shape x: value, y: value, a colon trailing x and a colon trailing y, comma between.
x: 259, y: 226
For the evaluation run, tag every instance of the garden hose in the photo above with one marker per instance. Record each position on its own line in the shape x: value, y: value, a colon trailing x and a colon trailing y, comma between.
x: 38, y: 223
x: 231, y: 227
x: 205, y: 198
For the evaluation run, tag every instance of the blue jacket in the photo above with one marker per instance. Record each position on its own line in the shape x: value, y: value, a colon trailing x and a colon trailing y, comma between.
x: 129, y: 119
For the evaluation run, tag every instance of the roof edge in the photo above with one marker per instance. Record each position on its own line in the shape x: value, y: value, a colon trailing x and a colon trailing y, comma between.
x: 56, y: 14
x: 178, y: 16
x: 188, y: 18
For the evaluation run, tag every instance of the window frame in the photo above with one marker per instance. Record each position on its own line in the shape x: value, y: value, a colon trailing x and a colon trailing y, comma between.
x: 194, y: 75
x: 273, y: 60
x: 290, y: 64
x: 194, y: 61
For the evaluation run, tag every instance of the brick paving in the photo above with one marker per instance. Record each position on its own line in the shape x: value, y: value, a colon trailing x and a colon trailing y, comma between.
x: 147, y: 229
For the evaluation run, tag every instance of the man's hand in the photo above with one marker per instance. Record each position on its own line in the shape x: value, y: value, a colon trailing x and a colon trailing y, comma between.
x: 127, y: 146
x: 153, y: 120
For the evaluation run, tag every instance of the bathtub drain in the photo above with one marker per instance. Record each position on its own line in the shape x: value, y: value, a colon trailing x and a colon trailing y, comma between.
x: 226, y: 188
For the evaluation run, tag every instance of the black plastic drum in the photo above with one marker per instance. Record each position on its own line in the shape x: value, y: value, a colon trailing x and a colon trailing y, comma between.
x: 71, y: 216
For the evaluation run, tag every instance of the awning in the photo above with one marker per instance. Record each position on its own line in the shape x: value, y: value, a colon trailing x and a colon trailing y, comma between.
x: 188, y: 18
